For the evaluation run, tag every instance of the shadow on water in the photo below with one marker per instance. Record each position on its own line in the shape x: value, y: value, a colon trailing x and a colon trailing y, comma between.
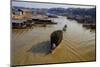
x: 43, y: 47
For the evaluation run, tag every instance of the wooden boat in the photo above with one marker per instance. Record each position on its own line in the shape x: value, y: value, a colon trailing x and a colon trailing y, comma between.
x: 91, y: 26
x: 18, y: 24
x: 56, y: 38
x: 64, y: 28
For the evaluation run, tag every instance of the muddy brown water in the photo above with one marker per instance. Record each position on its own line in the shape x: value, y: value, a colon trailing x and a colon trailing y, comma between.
x: 31, y: 46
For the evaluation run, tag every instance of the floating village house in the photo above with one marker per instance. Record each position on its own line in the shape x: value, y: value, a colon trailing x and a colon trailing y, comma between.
x: 21, y: 13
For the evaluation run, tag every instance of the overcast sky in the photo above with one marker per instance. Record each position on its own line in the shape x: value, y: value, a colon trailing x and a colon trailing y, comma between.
x: 46, y: 5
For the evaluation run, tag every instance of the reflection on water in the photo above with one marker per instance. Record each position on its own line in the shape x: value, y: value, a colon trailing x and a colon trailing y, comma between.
x: 75, y: 35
